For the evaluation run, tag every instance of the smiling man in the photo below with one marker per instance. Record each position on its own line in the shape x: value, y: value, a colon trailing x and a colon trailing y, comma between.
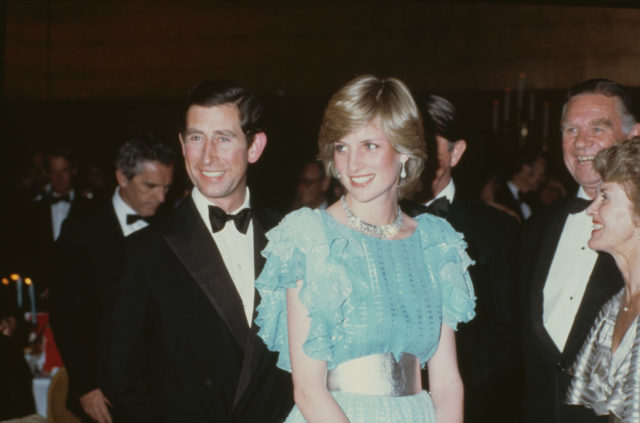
x: 564, y: 282
x: 181, y: 343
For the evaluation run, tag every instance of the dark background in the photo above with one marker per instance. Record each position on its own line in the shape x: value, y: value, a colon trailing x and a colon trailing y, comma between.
x: 89, y: 74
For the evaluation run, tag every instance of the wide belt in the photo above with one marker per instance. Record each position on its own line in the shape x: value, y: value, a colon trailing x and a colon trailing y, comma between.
x: 377, y: 374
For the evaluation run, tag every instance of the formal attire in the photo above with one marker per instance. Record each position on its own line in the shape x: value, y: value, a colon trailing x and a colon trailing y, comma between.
x: 604, y: 382
x: 564, y: 286
x: 366, y: 297
x: 87, y: 253
x: 179, y: 346
x: 508, y: 195
x: 487, y: 346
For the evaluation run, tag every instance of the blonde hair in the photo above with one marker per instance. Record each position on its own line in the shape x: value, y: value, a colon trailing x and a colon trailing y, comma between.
x: 389, y: 101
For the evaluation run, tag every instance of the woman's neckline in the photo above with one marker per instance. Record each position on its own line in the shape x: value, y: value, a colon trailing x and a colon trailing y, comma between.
x: 363, y: 235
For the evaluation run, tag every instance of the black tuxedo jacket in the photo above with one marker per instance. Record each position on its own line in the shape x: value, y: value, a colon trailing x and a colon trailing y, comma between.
x: 179, y: 347
x: 503, y: 196
x: 86, y: 255
x: 546, y: 377
x: 486, y: 345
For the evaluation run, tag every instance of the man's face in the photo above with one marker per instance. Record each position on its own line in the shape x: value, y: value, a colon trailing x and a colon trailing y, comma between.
x: 591, y: 123
x: 146, y: 191
x: 217, y: 154
x: 311, y: 186
x: 60, y: 174
x: 443, y: 172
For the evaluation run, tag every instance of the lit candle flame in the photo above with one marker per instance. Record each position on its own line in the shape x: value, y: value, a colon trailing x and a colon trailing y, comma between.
x: 28, y: 281
x: 14, y: 277
x: 5, y: 281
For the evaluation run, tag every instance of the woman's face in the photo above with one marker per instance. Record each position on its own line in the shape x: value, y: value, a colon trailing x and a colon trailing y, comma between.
x: 368, y: 164
x: 614, y: 222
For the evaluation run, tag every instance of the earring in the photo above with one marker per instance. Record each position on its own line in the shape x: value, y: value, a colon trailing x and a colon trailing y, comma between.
x: 403, y: 171
x: 334, y: 171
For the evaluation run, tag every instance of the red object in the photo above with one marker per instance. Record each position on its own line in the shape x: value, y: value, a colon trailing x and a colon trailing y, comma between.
x: 43, y: 332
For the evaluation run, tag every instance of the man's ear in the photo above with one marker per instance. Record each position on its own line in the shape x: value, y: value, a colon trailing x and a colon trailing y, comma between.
x: 121, y: 179
x: 459, y: 148
x: 635, y: 131
x: 257, y: 147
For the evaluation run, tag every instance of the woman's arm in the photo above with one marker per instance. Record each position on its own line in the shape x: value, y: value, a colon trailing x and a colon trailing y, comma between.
x: 445, y: 383
x: 309, y: 375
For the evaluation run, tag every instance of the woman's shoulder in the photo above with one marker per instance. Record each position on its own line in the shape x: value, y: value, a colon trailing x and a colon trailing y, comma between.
x: 434, y: 229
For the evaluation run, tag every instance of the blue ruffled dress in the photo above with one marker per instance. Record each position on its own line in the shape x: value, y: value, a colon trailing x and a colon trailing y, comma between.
x: 365, y: 296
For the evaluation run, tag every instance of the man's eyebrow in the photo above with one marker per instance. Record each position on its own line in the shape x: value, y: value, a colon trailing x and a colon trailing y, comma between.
x: 226, y: 132
x: 189, y: 131
x: 602, y: 122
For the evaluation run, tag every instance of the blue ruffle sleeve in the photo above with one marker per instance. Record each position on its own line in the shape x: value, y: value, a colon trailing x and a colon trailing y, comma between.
x: 299, y: 249
x: 446, y: 251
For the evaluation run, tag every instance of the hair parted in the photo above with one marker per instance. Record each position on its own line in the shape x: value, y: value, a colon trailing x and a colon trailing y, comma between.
x: 621, y: 163
x: 606, y: 88
x: 443, y: 120
x: 390, y: 103
x: 219, y: 92
x: 143, y: 147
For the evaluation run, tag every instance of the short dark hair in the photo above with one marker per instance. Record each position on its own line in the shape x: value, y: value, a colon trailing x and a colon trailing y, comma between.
x: 143, y: 147
x: 442, y: 119
x: 61, y: 151
x: 218, y: 92
x: 607, y: 88
x: 528, y: 154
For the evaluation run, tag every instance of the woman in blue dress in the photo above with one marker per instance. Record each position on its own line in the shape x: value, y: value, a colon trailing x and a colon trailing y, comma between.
x: 358, y: 297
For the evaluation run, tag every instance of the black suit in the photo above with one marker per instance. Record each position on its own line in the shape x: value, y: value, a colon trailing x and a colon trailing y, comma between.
x: 87, y: 251
x: 179, y: 346
x: 504, y: 196
x: 486, y: 345
x: 546, y: 379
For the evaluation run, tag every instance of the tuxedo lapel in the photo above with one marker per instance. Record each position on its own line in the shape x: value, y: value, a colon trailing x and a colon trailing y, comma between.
x: 604, y: 282
x: 193, y: 245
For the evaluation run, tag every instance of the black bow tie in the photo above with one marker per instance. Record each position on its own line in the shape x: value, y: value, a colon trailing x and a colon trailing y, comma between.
x: 133, y: 218
x: 219, y: 217
x: 440, y: 207
x: 56, y: 200
x: 577, y: 205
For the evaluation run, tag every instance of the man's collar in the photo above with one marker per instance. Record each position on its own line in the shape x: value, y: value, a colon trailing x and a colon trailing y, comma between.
x: 583, y: 194
x: 514, y: 190
x: 448, y: 192
x: 202, y: 204
x: 120, y: 206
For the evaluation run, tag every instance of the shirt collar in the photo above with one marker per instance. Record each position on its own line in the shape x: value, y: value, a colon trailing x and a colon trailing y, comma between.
x: 448, y: 192
x: 583, y: 194
x: 121, y: 207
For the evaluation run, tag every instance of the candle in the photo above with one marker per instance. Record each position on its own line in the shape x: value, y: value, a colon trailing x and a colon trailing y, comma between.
x: 32, y: 299
x: 545, y: 120
x: 18, y: 280
x: 507, y: 103
x: 532, y: 106
x: 494, y: 116
x: 521, y: 78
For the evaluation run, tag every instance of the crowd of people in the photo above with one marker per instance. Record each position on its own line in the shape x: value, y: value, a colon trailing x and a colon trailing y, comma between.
x: 389, y: 292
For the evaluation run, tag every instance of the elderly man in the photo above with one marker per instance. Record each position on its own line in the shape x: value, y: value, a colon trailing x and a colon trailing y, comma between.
x: 564, y: 282
x: 86, y: 256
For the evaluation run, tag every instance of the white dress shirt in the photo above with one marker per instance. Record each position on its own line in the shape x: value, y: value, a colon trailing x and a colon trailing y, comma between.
x: 122, y: 210
x: 568, y: 276
x: 524, y: 207
x: 236, y: 249
x: 448, y: 192
x: 59, y: 212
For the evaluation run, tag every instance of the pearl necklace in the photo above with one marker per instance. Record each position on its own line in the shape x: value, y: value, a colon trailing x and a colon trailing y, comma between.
x: 379, y: 231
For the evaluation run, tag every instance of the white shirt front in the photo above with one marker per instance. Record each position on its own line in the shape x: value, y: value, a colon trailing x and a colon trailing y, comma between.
x: 524, y: 207
x: 122, y: 210
x: 448, y: 192
x: 236, y: 250
x: 568, y: 276
x: 59, y: 212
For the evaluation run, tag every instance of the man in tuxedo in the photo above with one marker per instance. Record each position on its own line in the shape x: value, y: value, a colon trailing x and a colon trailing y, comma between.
x: 181, y: 342
x: 564, y: 282
x: 313, y: 185
x: 86, y: 255
x: 486, y: 344
x: 526, y: 177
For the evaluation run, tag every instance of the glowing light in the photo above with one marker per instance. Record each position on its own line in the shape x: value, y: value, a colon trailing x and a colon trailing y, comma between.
x: 5, y: 281
x: 28, y: 281
x: 14, y: 277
